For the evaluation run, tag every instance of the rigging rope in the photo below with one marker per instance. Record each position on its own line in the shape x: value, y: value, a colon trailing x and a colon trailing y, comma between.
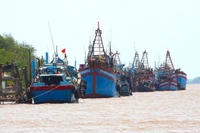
x: 36, y: 96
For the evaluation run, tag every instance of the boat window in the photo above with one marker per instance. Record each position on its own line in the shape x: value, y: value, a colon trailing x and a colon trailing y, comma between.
x: 51, y: 80
x: 59, y: 70
x: 42, y: 71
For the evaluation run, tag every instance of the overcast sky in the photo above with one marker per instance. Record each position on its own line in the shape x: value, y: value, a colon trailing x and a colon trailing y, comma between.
x: 152, y: 25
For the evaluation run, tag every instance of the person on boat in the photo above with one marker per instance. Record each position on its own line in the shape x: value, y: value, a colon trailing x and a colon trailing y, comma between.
x: 101, y: 59
x: 37, y: 78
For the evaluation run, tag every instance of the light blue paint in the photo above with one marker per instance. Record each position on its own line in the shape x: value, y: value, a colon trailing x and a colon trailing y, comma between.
x: 89, y: 80
x: 54, y: 95
x: 105, y: 86
x: 34, y: 68
x: 168, y: 87
x: 38, y: 84
x: 47, y: 58
x: 182, y: 81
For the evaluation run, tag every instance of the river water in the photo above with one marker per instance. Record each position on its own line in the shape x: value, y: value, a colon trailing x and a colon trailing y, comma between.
x: 153, y: 112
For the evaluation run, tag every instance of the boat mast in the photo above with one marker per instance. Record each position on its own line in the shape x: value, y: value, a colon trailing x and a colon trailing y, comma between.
x: 52, y: 39
x: 136, y: 61
x: 110, y: 49
x: 144, y: 60
x: 168, y: 62
x: 97, y: 46
x: 99, y: 41
x: 117, y: 58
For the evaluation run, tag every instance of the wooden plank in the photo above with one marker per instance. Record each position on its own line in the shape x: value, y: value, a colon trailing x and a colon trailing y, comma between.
x: 7, y: 99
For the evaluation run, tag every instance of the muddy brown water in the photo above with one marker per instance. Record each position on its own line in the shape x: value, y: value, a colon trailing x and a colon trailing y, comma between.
x: 153, y: 112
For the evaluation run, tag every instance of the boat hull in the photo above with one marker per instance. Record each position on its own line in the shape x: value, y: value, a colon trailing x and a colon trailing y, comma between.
x: 181, y: 78
x: 52, y: 94
x: 101, y: 82
x: 168, y: 85
x: 143, y: 88
x: 123, y: 85
x: 125, y: 91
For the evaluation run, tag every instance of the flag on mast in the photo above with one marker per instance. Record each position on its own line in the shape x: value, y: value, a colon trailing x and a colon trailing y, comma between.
x: 63, y: 51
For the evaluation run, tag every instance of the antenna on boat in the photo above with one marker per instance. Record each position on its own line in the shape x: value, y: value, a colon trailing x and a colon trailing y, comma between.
x: 75, y: 63
x: 84, y: 55
x: 110, y: 33
x: 134, y: 46
x: 110, y: 49
x: 92, y: 30
x: 110, y: 40
x: 56, y: 49
x: 158, y: 63
x: 98, y: 38
x: 51, y: 38
x: 55, y: 59
x: 89, y: 41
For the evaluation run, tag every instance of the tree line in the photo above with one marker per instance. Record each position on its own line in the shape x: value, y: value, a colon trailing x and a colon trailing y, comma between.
x: 17, y: 53
x: 12, y: 51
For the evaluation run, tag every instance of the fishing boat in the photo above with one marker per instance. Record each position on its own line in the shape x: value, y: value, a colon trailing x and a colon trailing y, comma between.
x: 122, y: 82
x: 143, y: 74
x: 164, y: 79
x: 132, y: 72
x: 180, y: 77
x: 167, y: 84
x: 98, y: 72
x: 56, y: 82
x: 129, y: 77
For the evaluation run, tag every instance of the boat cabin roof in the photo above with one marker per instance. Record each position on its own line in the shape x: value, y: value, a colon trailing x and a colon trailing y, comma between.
x: 42, y: 75
x: 50, y: 66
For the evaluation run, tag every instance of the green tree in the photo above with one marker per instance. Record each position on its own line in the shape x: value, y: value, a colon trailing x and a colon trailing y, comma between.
x: 11, y: 51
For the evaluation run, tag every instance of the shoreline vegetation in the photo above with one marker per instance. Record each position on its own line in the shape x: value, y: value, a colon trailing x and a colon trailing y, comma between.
x: 17, y: 53
x: 194, y: 81
x: 12, y: 51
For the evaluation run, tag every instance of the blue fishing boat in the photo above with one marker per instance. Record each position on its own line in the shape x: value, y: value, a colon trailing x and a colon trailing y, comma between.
x: 98, y: 72
x: 180, y: 77
x: 164, y: 79
x: 143, y: 74
x: 166, y: 83
x: 132, y: 72
x: 56, y: 82
x: 129, y: 77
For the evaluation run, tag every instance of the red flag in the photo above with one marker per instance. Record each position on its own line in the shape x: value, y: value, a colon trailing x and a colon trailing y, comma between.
x: 63, y: 51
